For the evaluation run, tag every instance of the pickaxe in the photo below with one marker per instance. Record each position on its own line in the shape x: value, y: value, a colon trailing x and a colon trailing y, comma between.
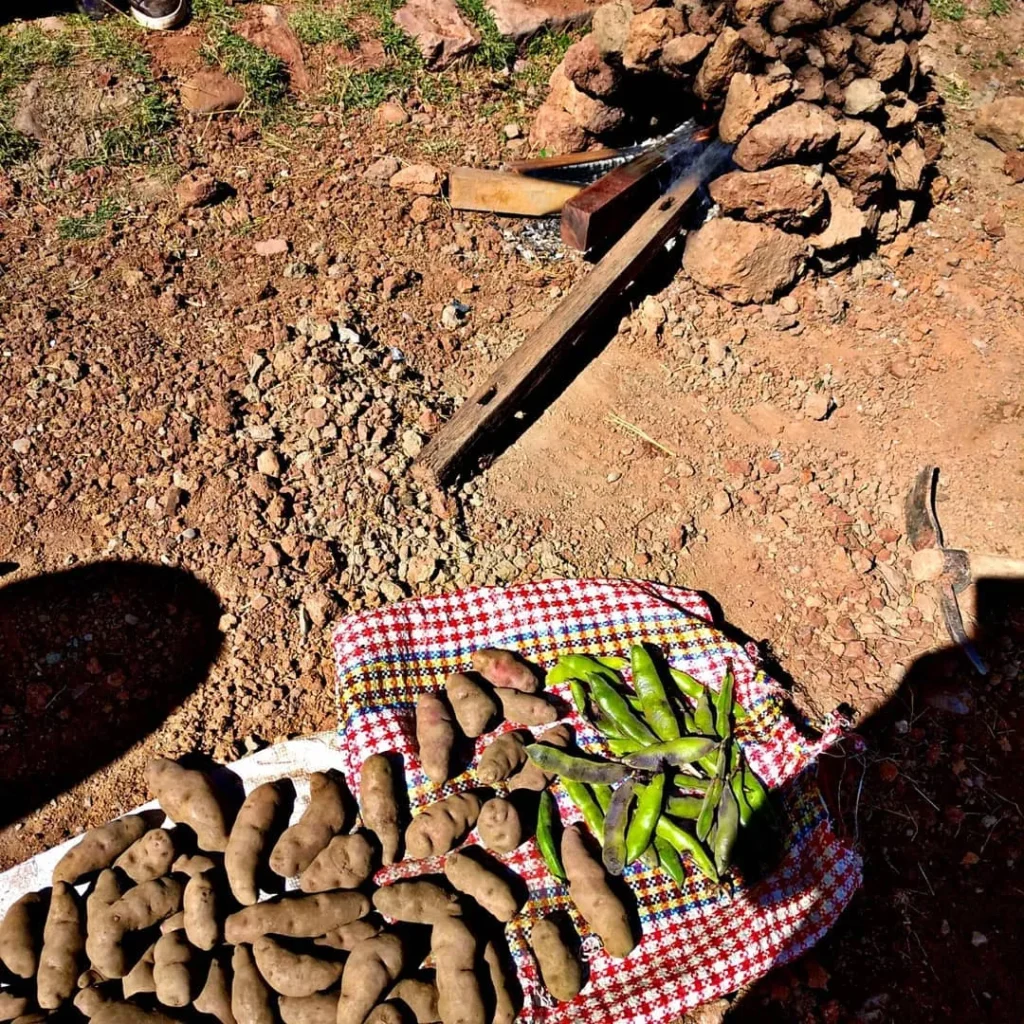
x: 950, y: 569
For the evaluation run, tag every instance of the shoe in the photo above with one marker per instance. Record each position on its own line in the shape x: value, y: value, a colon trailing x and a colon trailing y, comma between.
x: 159, y: 14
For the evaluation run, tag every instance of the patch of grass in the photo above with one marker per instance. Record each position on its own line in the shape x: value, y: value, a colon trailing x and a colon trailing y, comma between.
x: 997, y: 8
x: 549, y: 46
x: 214, y: 10
x: 135, y: 137
x: 955, y: 90
x: 264, y: 76
x: 90, y: 225
x: 116, y: 41
x: 15, y: 146
x: 23, y: 53
x: 495, y: 51
x: 315, y: 26
x: 949, y: 10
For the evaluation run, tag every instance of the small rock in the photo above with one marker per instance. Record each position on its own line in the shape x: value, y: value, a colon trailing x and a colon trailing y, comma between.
x: 721, y: 503
x: 798, y: 132
x: 382, y: 170
x: 453, y: 315
x: 440, y: 31
x: 749, y: 98
x: 210, y: 92
x: 787, y: 196
x: 863, y: 95
x: 22, y: 445
x: 392, y: 113
x: 422, y: 179
x: 555, y: 130
x: 422, y: 569
x: 1002, y: 122
x: 728, y: 54
x: 993, y: 222
x: 412, y: 443
x: 817, y: 405
x: 653, y: 315
x: 979, y: 939
x: 199, y: 188
x: 1013, y: 166
x: 512, y: 131
x: 271, y: 247
x: 268, y: 464
x: 584, y: 66
x: 173, y: 500
x: 321, y: 607
x: 421, y: 209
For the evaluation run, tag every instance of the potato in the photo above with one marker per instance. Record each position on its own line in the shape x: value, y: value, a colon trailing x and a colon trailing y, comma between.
x: 348, y: 935
x: 12, y: 1006
x: 459, y: 999
x: 142, y: 907
x: 106, y: 891
x: 172, y: 958
x: 323, y: 818
x: 378, y: 804
x: 192, y: 865
x: 418, y: 997
x: 251, y: 1000
x: 99, y: 847
x: 594, y: 899
x: 148, y: 857
x: 188, y: 798
x: 416, y: 902
x: 63, y: 945
x: 499, y: 826
x: 386, y: 1013
x: 505, y: 669
x: 441, y: 826
x: 504, y: 755
x: 532, y: 777
x: 297, y: 916
x: 475, y: 708
x: 371, y: 969
x: 21, y: 934
x: 201, y: 912
x: 93, y: 992
x: 253, y: 832
x: 321, y: 1008
x: 504, y: 1003
x: 480, y: 879
x: 139, y: 980
x: 525, y: 708
x: 215, y: 997
x: 174, y: 923
x: 293, y: 974
x: 559, y: 968
x: 346, y: 863
x: 435, y: 736
x: 129, y: 1013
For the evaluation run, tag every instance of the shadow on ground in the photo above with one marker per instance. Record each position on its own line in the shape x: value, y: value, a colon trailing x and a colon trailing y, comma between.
x: 91, y: 661
x: 934, y: 803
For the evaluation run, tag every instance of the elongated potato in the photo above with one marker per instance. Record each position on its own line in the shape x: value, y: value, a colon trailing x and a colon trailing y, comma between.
x: 129, y: 1013
x: 416, y: 902
x: 499, y: 826
x: 441, y: 826
x: 594, y: 899
x: 174, y: 923
x: 345, y: 863
x: 504, y: 755
x: 474, y: 706
x: 99, y: 847
x: 525, y: 708
x: 293, y: 974
x: 379, y: 805
x: 251, y: 999
x: 349, y: 935
x: 501, y: 971
x: 251, y: 836
x: 435, y: 736
x: 172, y: 973
x: 139, y: 980
x: 21, y: 934
x: 215, y: 997
x: 480, y: 879
x: 63, y: 944
x: 188, y: 798
x: 12, y: 1006
x: 192, y: 864
x: 559, y: 969
x: 371, y: 969
x: 150, y: 856
x: 323, y: 819
x: 201, y: 912
x: 106, y: 891
x: 532, y: 777
x: 321, y: 1008
x: 419, y: 997
x: 459, y: 999
x: 296, y: 916
x: 505, y: 669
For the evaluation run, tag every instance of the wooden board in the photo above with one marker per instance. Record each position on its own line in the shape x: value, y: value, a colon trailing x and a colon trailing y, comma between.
x: 553, y: 163
x: 501, y: 192
x: 554, y: 344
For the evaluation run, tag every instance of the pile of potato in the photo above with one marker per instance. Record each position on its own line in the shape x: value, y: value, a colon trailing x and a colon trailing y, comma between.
x: 171, y: 918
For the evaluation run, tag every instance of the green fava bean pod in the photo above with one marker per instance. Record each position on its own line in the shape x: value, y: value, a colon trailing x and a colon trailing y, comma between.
x: 706, y: 818
x: 549, y: 829
x: 692, y: 689
x: 617, y: 708
x: 551, y: 759
x: 684, y: 750
x: 723, y: 706
x: 670, y: 860
x: 654, y: 701
x: 728, y: 828
x: 593, y: 815
x: 603, y: 795
x: 687, y: 807
x: 682, y: 841
x: 615, y: 822
x: 703, y: 716
x: 645, y: 818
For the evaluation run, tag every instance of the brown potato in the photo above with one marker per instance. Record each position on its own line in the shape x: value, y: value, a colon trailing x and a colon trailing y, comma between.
x: 418, y: 997
x: 474, y: 706
x: 505, y: 669
x: 201, y: 914
x: 321, y: 1008
x: 480, y: 879
x: 441, y: 826
x: 323, y: 818
x: 215, y: 997
x: 435, y: 736
x: 386, y: 1013
x: 459, y: 997
x: 99, y: 847
x: 499, y: 826
x: 416, y: 902
x: 378, y: 804
x: 188, y: 798
x: 174, y: 923
x: 63, y: 944
x: 296, y: 916
x: 560, y: 970
x: 525, y: 708
x: 150, y: 856
x: 293, y: 974
x: 500, y: 971
x: 346, y: 863
x: 12, y: 1006
x: 172, y: 958
x: 129, y: 1013
x: 21, y: 934
x: 251, y: 999
x: 504, y: 755
x: 252, y: 835
x: 348, y: 935
x: 139, y: 980
x: 371, y: 969
x: 192, y: 865
x: 530, y: 776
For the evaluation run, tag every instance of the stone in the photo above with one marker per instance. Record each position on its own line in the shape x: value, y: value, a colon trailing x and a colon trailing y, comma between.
x: 679, y: 55
x: 834, y: 43
x: 800, y: 131
x: 648, y: 34
x: 900, y: 112
x: 728, y: 54
x: 888, y: 225
x: 321, y: 607
x: 863, y: 96
x: 610, y: 26
x: 809, y: 83
x: 439, y: 30
x: 846, y: 223
x: 584, y: 66
x: 211, y: 92
x: 741, y: 261
x: 1002, y: 122
x: 268, y: 464
x: 271, y: 247
x: 993, y: 222
x: 382, y: 170
x: 884, y: 61
x: 593, y: 115
x: 760, y: 41
x: 817, y: 405
x: 752, y: 10
x: 787, y: 196
x: 519, y: 19
x: 29, y: 118
x: 791, y: 14
x: 421, y: 209
x: 876, y: 20
x: 198, y: 188
x: 908, y: 164
x: 749, y: 98
x: 1013, y: 166
x: 555, y: 131
x: 270, y: 31
x: 392, y: 113
x: 863, y: 167
x: 721, y: 503
x: 421, y: 179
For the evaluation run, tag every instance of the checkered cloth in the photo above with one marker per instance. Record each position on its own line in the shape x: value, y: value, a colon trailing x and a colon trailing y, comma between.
x: 699, y: 941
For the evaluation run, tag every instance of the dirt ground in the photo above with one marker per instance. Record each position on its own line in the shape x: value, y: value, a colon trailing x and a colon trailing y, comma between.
x: 206, y: 444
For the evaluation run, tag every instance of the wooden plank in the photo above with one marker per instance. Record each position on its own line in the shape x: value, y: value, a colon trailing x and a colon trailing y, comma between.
x: 553, y: 163
x: 470, y: 188
x: 554, y: 344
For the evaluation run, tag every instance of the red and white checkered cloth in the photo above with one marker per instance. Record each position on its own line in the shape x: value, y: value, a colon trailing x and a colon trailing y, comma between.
x: 699, y: 941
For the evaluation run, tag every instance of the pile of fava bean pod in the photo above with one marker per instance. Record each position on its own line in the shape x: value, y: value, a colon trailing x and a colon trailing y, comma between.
x: 680, y: 785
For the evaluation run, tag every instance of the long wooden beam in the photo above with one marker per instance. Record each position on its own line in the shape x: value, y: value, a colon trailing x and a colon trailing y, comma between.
x: 470, y: 188
x: 552, y: 345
